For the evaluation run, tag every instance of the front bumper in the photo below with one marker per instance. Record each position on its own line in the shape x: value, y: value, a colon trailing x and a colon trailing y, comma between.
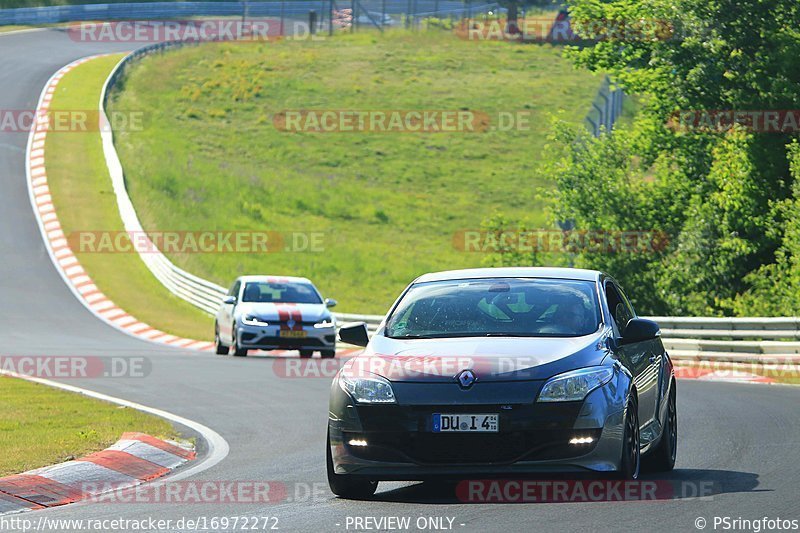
x: 533, y: 437
x: 274, y: 337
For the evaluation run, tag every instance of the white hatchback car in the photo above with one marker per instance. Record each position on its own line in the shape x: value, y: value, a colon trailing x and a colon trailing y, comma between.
x: 275, y: 313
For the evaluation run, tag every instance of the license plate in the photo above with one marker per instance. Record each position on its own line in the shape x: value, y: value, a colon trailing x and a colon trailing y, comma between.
x: 291, y: 334
x: 467, y: 423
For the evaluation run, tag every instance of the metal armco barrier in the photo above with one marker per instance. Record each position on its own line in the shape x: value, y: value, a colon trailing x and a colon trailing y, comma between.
x: 197, y: 291
x: 606, y: 108
x: 732, y: 339
x: 699, y: 338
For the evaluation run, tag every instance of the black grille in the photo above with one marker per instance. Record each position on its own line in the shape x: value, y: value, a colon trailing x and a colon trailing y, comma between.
x: 452, y: 449
x: 283, y: 342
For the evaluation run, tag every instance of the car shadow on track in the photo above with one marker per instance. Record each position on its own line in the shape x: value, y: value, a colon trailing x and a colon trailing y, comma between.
x: 679, y: 484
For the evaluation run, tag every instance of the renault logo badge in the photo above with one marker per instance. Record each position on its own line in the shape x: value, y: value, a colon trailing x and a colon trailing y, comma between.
x: 466, y: 378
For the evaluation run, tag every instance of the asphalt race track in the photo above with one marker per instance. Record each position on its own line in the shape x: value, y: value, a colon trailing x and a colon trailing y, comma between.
x: 740, y: 439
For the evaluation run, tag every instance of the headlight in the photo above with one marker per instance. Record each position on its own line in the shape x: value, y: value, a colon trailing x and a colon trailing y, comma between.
x: 575, y: 385
x: 325, y: 323
x: 367, y: 390
x: 252, y: 320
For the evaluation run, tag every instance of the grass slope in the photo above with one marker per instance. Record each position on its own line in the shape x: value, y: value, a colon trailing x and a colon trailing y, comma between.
x: 42, y: 426
x: 85, y: 201
x: 210, y: 157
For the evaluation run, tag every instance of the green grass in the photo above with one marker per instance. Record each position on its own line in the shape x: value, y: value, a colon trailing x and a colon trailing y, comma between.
x: 43, y: 426
x: 6, y: 29
x: 388, y: 203
x: 84, y: 200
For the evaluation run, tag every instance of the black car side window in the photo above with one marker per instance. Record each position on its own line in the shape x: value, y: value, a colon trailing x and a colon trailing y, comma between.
x: 627, y: 302
x: 235, y: 289
x: 620, y: 310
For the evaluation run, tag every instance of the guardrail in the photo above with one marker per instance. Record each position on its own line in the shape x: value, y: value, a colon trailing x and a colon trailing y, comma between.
x: 751, y: 339
x: 195, y: 290
x: 606, y: 108
x: 698, y: 338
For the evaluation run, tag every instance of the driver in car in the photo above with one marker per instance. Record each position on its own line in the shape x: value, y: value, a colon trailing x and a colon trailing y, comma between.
x: 568, y: 319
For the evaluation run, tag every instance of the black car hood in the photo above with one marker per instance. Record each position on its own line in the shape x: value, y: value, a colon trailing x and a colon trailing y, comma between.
x: 489, y: 358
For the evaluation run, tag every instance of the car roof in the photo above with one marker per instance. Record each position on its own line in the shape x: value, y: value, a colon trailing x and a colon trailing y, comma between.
x: 274, y: 279
x: 513, y: 272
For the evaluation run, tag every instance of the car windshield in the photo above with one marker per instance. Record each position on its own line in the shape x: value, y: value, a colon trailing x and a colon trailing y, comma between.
x: 264, y: 291
x: 496, y: 307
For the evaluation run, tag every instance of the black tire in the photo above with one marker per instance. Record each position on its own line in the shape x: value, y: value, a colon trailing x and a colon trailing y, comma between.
x: 237, y: 350
x: 305, y: 354
x: 346, y: 486
x: 662, y: 458
x: 631, y: 462
x: 221, y: 348
x: 328, y: 354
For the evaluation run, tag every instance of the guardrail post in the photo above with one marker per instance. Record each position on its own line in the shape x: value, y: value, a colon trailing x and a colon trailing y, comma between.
x: 283, y: 7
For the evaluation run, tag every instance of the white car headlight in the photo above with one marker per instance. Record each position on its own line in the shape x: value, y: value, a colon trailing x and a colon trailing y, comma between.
x: 373, y: 389
x: 252, y: 320
x: 575, y: 385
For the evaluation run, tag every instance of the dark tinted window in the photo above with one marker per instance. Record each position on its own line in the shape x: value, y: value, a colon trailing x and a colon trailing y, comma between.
x: 620, y: 308
x: 496, y: 307
x: 234, y: 291
x: 263, y: 291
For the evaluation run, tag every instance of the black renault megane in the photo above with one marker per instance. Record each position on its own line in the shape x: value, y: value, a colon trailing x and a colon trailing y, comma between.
x: 502, y: 371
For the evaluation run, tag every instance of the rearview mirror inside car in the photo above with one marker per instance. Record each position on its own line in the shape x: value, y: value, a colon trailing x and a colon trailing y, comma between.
x: 354, y: 333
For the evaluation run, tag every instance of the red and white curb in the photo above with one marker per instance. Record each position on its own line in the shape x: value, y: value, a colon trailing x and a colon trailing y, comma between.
x: 77, y: 279
x: 133, y: 460
x: 65, y: 261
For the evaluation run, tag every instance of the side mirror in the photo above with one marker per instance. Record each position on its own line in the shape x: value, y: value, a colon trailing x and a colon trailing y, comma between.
x: 640, y: 329
x: 330, y: 302
x: 229, y: 300
x: 354, y: 333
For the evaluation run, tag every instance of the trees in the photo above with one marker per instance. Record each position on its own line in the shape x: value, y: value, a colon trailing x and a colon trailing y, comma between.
x: 727, y: 199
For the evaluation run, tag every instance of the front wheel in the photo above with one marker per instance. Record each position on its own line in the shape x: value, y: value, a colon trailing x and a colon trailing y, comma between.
x: 328, y: 354
x: 305, y: 354
x: 220, y: 348
x: 663, y: 457
x: 238, y: 351
x: 346, y: 486
x: 631, y: 456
